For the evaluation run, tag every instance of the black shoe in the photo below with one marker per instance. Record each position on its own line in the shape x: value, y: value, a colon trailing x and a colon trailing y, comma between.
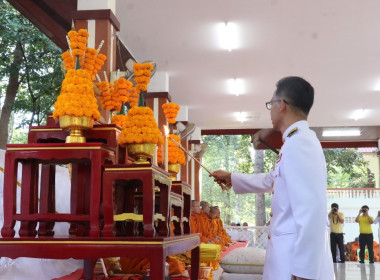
x: 361, y: 262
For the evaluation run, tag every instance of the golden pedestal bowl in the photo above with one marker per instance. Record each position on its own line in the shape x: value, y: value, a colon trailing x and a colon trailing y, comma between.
x: 173, y: 169
x: 76, y: 125
x: 141, y: 152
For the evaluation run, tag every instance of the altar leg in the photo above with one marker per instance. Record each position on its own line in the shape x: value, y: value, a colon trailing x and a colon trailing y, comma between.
x: 194, y: 263
x: 96, y: 186
x: 157, y: 267
x: 148, y: 207
x: 186, y: 212
x: 108, y: 213
x: 88, y: 269
x: 47, y: 198
x: 9, y: 195
x: 29, y: 197
x: 163, y: 226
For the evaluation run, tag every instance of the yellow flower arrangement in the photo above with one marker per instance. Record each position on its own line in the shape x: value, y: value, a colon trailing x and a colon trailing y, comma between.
x: 133, y: 98
x: 175, y: 154
x: 140, y: 127
x: 78, y: 41
x: 89, y: 59
x: 119, y: 120
x: 114, y: 95
x: 142, y: 75
x: 122, y: 86
x: 77, y: 96
x: 171, y: 111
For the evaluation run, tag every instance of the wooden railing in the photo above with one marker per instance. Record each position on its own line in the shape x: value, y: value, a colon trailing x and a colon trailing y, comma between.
x: 355, y: 193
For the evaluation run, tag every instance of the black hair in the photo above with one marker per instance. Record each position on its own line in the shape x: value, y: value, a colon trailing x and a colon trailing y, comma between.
x: 297, y: 92
x: 365, y: 206
x: 334, y: 205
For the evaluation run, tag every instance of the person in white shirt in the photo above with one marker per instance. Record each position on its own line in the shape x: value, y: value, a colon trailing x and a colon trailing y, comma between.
x: 298, y: 245
x: 377, y: 221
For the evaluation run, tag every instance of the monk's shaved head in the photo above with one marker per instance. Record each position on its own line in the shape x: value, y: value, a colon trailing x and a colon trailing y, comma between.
x: 195, y: 208
x: 205, y: 207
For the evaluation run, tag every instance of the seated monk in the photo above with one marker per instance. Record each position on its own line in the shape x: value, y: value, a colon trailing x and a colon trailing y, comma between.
x: 195, y: 220
x: 217, y: 228
x: 206, y: 224
x: 354, y: 248
x: 222, y: 231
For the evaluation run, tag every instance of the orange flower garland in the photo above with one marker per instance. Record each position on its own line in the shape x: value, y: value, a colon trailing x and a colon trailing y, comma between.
x: 77, y: 96
x: 113, y: 95
x: 122, y: 86
x: 119, y: 120
x: 140, y: 127
x: 78, y: 42
x: 176, y: 155
x: 142, y: 73
x: 171, y: 111
x: 89, y: 58
x: 134, y: 95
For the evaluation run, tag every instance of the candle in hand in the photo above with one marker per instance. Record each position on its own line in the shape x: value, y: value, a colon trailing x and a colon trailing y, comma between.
x: 166, y: 157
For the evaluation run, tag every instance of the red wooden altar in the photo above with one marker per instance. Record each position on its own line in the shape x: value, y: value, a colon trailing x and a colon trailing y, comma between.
x: 156, y: 249
x: 184, y: 189
x: 87, y: 160
x: 94, y: 174
x: 150, y: 177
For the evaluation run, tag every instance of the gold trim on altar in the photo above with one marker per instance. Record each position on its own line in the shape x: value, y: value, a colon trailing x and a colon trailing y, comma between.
x: 136, y: 217
x: 99, y: 242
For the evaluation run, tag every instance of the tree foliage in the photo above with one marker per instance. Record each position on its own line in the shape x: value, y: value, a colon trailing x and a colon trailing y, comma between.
x: 38, y: 69
x: 345, y: 168
x: 235, y: 154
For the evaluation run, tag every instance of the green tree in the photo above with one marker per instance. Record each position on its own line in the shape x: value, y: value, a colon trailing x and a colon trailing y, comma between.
x: 235, y: 154
x: 30, y: 69
x: 346, y: 168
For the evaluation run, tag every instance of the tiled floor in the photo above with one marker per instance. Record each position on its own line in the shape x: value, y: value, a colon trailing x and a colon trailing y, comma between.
x: 357, y: 271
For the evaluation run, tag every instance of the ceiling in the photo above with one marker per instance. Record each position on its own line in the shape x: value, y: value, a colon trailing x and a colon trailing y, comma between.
x: 333, y: 44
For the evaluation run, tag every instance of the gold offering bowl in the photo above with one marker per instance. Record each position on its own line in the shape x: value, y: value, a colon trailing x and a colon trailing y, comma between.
x: 141, y: 152
x: 76, y: 125
x: 173, y: 169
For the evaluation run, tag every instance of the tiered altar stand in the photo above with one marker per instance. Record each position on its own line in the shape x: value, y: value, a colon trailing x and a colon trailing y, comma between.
x: 100, y: 170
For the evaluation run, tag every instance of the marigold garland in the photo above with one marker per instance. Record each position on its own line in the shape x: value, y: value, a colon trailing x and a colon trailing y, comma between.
x: 171, y: 111
x: 119, y: 120
x: 114, y: 95
x: 89, y: 58
x: 142, y: 75
x: 77, y: 96
x: 175, y: 154
x: 140, y: 127
x: 134, y: 95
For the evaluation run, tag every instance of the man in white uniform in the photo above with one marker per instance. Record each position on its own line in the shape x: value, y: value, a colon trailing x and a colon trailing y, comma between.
x: 377, y: 221
x: 298, y: 245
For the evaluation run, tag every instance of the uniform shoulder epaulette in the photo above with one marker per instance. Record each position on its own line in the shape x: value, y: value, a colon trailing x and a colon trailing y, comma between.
x: 294, y: 130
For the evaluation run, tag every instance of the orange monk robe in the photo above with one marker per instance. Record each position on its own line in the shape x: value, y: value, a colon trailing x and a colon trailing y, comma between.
x: 205, y: 226
x: 354, y: 249
x: 197, y: 226
x: 222, y: 232
x: 140, y: 265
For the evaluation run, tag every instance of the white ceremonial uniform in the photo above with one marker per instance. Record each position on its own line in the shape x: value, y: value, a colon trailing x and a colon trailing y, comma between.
x: 377, y: 221
x: 298, y: 242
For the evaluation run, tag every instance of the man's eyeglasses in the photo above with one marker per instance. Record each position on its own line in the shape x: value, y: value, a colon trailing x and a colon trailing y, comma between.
x: 269, y: 103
